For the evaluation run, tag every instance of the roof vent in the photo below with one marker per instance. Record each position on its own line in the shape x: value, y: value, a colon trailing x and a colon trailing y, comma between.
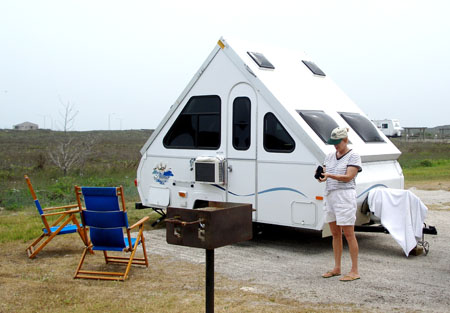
x: 314, y: 68
x: 261, y: 60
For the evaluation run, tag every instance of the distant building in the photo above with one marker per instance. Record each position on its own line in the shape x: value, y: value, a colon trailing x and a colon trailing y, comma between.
x: 26, y: 126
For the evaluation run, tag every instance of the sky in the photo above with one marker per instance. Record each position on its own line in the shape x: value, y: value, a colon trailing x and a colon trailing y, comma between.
x: 122, y: 64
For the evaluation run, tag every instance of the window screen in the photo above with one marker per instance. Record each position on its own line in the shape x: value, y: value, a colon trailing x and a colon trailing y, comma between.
x: 276, y: 138
x: 197, y: 126
x: 362, y: 126
x: 241, y: 123
x: 314, y: 68
x: 261, y: 60
x: 320, y: 122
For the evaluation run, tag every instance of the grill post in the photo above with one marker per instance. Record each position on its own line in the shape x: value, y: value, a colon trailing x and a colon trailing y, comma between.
x: 209, y: 295
x: 217, y: 225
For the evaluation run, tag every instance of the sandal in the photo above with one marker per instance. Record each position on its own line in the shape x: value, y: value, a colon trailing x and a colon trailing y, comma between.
x: 349, y: 278
x: 330, y: 274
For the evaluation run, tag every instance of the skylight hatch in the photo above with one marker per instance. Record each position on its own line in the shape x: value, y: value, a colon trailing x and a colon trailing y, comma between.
x: 261, y: 60
x: 313, y: 68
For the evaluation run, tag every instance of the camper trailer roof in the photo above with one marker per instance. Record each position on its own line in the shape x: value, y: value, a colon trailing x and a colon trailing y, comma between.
x: 297, y: 81
x: 296, y: 86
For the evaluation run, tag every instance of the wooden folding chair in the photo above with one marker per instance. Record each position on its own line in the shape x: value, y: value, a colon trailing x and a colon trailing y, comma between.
x: 106, y: 221
x: 61, y: 226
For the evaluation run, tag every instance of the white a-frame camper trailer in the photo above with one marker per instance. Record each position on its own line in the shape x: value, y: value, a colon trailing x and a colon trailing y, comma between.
x: 251, y: 127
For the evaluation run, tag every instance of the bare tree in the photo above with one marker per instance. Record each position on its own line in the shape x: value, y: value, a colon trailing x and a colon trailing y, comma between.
x: 67, y: 116
x: 70, y: 152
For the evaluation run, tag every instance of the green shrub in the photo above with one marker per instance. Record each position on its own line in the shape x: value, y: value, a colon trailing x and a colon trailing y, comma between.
x: 426, y: 163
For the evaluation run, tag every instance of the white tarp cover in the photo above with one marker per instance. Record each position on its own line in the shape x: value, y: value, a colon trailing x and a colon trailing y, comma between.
x: 401, y: 212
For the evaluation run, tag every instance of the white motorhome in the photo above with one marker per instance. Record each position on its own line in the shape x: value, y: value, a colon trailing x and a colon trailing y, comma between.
x: 389, y: 127
x: 251, y: 127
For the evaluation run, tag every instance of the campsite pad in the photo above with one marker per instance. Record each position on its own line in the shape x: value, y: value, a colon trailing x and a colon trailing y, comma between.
x: 289, y: 262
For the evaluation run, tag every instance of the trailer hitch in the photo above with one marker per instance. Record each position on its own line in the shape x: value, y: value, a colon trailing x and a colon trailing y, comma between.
x: 427, y: 229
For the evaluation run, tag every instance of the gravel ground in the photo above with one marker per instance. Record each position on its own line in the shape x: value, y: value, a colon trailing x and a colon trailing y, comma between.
x: 290, y: 262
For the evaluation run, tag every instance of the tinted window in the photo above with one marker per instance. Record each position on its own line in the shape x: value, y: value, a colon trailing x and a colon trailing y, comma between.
x: 197, y: 126
x: 261, y: 60
x: 276, y: 138
x: 314, y: 68
x: 241, y: 123
x: 320, y: 122
x: 363, y: 127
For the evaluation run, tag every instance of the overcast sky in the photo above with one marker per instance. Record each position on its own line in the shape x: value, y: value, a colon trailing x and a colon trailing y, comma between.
x: 122, y: 64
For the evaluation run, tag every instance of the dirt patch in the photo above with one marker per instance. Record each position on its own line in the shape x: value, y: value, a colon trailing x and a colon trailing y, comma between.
x: 429, y: 185
x: 433, y: 199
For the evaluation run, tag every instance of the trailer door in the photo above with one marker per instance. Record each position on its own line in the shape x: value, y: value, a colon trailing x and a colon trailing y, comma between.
x: 241, y: 145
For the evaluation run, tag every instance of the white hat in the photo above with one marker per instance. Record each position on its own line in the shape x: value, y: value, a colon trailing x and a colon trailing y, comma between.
x: 337, y: 135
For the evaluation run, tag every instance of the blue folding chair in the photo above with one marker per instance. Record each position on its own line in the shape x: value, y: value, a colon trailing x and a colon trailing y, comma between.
x: 106, y: 220
x: 65, y: 223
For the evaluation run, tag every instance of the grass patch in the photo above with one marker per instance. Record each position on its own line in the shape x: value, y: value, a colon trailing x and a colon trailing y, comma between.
x: 428, y: 170
x: 19, y: 226
x: 424, y: 160
x: 113, y: 161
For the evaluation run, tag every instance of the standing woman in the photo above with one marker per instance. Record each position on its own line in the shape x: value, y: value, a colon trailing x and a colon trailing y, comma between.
x: 340, y: 170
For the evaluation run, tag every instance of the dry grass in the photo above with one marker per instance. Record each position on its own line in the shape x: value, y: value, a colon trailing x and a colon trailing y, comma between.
x: 429, y: 185
x: 45, y: 284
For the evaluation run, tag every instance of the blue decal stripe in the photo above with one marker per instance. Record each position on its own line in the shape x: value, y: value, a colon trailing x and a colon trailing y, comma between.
x: 282, y: 189
x: 293, y: 190
x: 370, y: 188
x: 264, y: 191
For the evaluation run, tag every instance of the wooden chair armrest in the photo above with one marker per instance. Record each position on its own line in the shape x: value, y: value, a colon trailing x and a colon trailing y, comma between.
x: 62, y: 212
x: 70, y: 206
x: 141, y: 221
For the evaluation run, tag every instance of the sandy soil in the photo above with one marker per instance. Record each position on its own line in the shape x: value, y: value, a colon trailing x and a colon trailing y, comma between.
x: 290, y: 262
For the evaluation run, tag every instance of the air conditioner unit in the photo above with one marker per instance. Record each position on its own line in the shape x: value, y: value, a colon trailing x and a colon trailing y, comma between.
x: 209, y: 170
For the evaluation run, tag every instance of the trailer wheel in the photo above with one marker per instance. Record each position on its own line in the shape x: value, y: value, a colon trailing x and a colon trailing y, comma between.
x: 365, y: 206
x: 257, y: 229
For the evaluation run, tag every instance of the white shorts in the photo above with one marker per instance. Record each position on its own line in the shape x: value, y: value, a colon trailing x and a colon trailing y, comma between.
x: 340, y: 206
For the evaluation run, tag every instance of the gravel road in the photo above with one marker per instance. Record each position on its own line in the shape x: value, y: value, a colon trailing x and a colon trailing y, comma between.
x: 289, y: 262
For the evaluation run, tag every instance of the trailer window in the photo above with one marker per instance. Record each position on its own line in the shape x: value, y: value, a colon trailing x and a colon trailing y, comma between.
x: 362, y: 126
x: 241, y: 123
x: 197, y: 126
x: 320, y: 122
x: 313, y: 68
x: 261, y: 60
x: 276, y: 138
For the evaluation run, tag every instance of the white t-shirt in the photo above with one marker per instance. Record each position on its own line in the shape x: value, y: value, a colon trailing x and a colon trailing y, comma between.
x: 339, y: 166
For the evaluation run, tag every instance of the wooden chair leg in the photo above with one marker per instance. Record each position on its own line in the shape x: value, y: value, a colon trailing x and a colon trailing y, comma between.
x: 30, y: 250
x: 129, y: 263
x: 85, y: 240
x: 144, y: 250
x: 80, y: 264
x: 79, y: 230
x: 53, y: 235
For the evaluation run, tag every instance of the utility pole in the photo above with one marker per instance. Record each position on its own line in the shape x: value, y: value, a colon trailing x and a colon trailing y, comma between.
x: 109, y: 120
x: 120, y: 121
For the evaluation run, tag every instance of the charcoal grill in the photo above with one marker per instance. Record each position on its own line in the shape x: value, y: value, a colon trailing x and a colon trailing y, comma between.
x: 216, y: 225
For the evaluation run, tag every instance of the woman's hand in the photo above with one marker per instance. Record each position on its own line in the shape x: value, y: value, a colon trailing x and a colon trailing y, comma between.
x: 352, y: 171
x: 323, y: 178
